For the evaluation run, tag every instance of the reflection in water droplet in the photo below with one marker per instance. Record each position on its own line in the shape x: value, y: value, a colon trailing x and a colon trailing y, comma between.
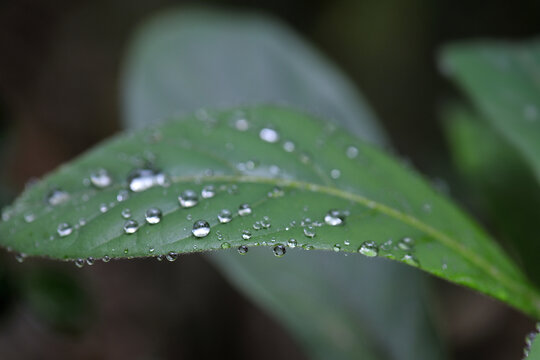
x: 242, y: 249
x: 153, y: 216
x: 279, y: 250
x: 201, y: 228
x: 244, y: 210
x: 208, y: 192
x: 131, y: 227
x: 126, y: 213
x: 269, y: 135
x: 369, y: 248
x: 224, y: 216
x: 64, y: 229
x: 188, y: 199
x: 334, y: 217
x: 57, y: 197
x: 101, y: 179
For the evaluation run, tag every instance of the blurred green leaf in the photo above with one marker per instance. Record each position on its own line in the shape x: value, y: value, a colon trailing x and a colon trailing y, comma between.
x: 503, y: 81
x: 501, y: 183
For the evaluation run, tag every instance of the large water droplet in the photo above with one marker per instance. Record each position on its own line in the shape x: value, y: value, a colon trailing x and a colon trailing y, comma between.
x: 57, y: 197
x: 201, y: 228
x: 188, y: 199
x: 153, y: 216
x: 64, y: 229
x: 279, y: 250
x: 242, y: 249
x: 369, y: 248
x: 101, y: 179
x: 334, y: 217
x: 131, y: 227
x: 224, y: 216
x: 269, y: 135
x: 143, y: 179
x: 208, y: 192
x: 244, y: 210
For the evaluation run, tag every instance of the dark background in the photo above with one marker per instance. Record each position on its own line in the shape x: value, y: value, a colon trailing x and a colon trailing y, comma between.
x: 59, y: 94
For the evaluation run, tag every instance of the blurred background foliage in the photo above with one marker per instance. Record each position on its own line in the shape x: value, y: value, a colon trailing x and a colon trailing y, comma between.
x: 60, y: 93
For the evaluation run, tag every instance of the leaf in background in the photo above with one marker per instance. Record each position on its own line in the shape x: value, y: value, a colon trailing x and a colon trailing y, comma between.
x: 183, y: 60
x: 502, y: 184
x: 503, y: 80
x: 242, y: 160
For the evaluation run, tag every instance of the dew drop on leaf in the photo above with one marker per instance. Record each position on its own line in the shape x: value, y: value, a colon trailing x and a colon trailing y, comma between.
x: 90, y: 261
x: 153, y: 216
x: 188, y: 199
x: 122, y: 195
x: 225, y: 245
x: 406, y: 244
x: 126, y: 213
x: 106, y: 259
x: 224, y: 216
x: 292, y: 243
x: 57, y: 197
x: 279, y: 250
x: 410, y: 260
x: 80, y: 263
x: 208, y: 192
x: 269, y: 135
x: 171, y: 256
x: 352, y: 152
x: 334, y: 217
x: 288, y: 146
x: 244, y: 210
x: 101, y: 179
x: 246, y: 235
x: 276, y: 192
x: 201, y: 228
x: 241, y: 124
x: 103, y: 208
x: 369, y: 248
x: 337, y: 248
x: 309, y: 231
x: 143, y: 179
x: 20, y: 257
x: 64, y: 229
x: 335, y: 174
x: 242, y: 249
x: 30, y: 217
x: 131, y: 227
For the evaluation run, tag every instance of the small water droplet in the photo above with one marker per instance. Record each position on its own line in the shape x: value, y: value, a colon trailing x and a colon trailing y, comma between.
x: 244, y: 210
x: 269, y: 135
x: 90, y: 261
x: 208, y: 192
x: 225, y: 245
x: 126, y: 213
x: 30, y: 217
x: 335, y: 173
x: 369, y: 248
x: 122, y: 195
x: 276, y: 192
x: 309, y: 231
x: 106, y: 259
x: 201, y: 228
x: 288, y: 146
x: 160, y: 257
x: 80, y: 263
x: 279, y: 250
x: 188, y: 199
x: 153, y: 216
x: 337, y: 247
x: 347, y: 242
x: 292, y: 243
x: 334, y: 217
x: 352, y: 152
x: 57, y: 197
x: 410, y: 259
x: 172, y: 256
x: 241, y: 124
x: 131, y: 227
x: 101, y: 179
x: 308, y: 247
x: 64, y: 229
x: 257, y: 225
x: 103, y: 208
x: 20, y: 257
x: 224, y: 216
x: 246, y: 235
x: 242, y: 249
x: 406, y: 244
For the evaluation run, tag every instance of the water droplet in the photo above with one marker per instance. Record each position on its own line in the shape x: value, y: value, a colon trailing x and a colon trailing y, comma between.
x: 244, y: 210
x: 410, y: 259
x: 335, y: 174
x: 241, y: 124
x: 106, y: 259
x: 201, y: 228
x: 369, y: 248
x: 288, y: 146
x: 352, y: 152
x: 274, y: 169
x: 126, y: 213
x: 224, y: 216
x: 20, y: 257
x: 309, y: 231
x: 153, y: 216
x: 131, y: 227
x: 30, y: 217
x: 337, y: 248
x: 79, y: 263
x: 90, y: 261
x: 257, y: 225
x: 64, y: 229
x: 82, y: 222
x: 143, y: 179
x: 225, y: 245
x: 292, y: 243
x: 103, y: 208
x: 246, y: 235
x: 242, y: 249
x: 334, y: 217
x: 172, y: 256
x: 347, y: 242
x: 122, y: 195
x: 101, y: 179
x: 269, y: 135
x: 208, y: 192
x: 406, y: 244
x: 160, y: 257
x: 276, y: 192
x: 188, y: 199
x: 279, y: 250
x: 57, y: 197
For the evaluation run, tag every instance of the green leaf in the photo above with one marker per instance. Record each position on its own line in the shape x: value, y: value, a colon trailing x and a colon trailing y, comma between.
x: 502, y: 185
x: 503, y: 81
x: 193, y: 58
x: 532, y: 345
x: 376, y: 198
